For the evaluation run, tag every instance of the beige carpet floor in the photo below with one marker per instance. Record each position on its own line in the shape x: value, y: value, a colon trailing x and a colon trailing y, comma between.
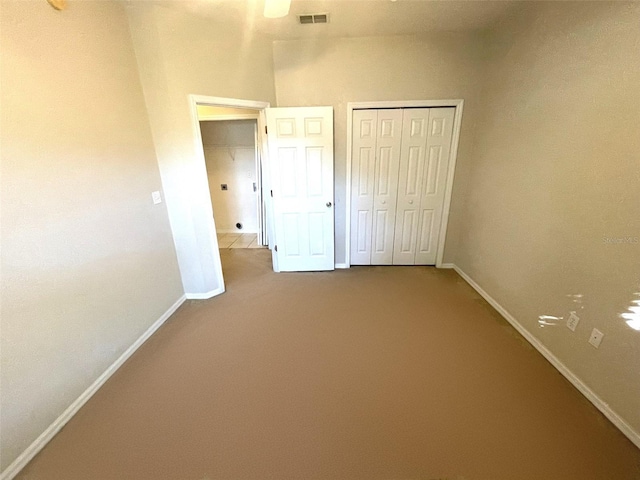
x: 367, y: 373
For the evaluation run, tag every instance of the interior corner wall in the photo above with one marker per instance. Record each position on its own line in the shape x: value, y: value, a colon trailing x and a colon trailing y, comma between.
x: 180, y: 54
x: 552, y: 214
x: 88, y: 262
x: 334, y: 72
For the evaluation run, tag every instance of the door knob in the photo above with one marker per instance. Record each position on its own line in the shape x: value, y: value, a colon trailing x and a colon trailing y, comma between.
x: 383, y: 202
x: 410, y: 202
x: 329, y: 204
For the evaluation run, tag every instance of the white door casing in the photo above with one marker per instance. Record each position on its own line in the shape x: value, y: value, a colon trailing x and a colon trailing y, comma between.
x: 436, y: 167
x: 300, y: 144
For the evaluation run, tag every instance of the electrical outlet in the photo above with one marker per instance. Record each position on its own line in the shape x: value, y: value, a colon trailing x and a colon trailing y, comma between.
x: 572, y: 321
x: 596, y: 337
x: 156, y: 197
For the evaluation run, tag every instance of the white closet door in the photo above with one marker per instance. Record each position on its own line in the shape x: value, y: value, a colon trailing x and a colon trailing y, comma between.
x: 363, y: 172
x: 440, y: 130
x: 386, y: 185
x: 412, y: 154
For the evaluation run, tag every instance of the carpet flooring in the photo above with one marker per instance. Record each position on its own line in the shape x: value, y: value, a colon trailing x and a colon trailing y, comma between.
x: 366, y: 373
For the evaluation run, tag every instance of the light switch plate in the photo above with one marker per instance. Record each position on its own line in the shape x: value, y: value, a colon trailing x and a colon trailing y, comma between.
x: 156, y: 197
x: 572, y: 321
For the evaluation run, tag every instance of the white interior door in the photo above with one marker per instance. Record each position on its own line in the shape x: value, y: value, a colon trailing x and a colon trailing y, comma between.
x: 386, y: 185
x: 436, y: 166
x: 300, y: 143
x: 414, y: 142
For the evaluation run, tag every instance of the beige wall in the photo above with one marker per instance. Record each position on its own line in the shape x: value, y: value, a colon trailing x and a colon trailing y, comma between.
x: 555, y: 172
x: 88, y: 262
x: 547, y: 168
x: 337, y: 71
x: 225, y: 133
x: 180, y: 54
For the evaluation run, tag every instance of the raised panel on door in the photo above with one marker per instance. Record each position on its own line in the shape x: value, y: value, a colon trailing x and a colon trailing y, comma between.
x: 434, y: 179
x: 301, y: 157
x: 363, y: 156
x: 389, y: 133
x: 412, y: 155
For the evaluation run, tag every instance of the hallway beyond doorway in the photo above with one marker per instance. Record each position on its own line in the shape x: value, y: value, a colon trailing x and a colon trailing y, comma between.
x: 238, y: 240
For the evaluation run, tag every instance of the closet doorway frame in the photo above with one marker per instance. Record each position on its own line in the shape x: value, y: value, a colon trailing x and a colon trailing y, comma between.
x: 458, y: 104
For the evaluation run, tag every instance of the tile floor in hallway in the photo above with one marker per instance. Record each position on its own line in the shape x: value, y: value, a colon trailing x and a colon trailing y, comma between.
x: 238, y: 240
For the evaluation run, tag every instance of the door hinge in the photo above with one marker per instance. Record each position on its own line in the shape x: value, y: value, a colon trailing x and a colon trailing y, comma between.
x: 271, y: 193
x: 266, y: 131
x: 275, y: 248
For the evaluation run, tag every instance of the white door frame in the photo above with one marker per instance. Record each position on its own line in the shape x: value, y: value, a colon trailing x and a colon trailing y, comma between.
x: 457, y: 122
x: 194, y: 101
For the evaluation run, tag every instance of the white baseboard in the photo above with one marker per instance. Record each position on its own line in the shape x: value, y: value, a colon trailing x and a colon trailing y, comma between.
x: 32, y: 450
x: 447, y: 265
x: 342, y: 265
x: 202, y: 296
x: 600, y: 404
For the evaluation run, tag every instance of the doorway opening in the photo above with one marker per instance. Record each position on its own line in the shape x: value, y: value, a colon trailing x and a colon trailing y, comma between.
x: 217, y: 109
x: 233, y: 165
x: 294, y: 178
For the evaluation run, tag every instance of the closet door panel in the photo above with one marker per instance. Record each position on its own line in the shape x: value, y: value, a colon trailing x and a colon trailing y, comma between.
x: 363, y: 156
x: 434, y: 179
x: 410, y: 184
x: 388, y: 144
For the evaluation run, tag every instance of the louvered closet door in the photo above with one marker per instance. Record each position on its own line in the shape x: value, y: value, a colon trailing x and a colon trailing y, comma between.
x: 386, y: 185
x: 436, y: 167
x: 412, y: 160
x: 363, y: 173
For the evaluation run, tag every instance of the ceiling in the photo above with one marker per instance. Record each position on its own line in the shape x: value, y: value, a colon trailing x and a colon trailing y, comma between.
x: 352, y: 18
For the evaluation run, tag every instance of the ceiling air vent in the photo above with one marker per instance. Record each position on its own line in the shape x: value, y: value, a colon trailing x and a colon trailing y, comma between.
x: 309, y: 18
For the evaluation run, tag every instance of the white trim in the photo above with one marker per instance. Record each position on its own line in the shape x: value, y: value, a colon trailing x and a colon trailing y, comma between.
x: 220, y: 118
x: 342, y: 265
x: 447, y: 265
x: 600, y: 404
x: 229, y: 102
x: 458, y: 104
x: 449, y: 102
x: 194, y: 101
x: 347, y: 227
x: 45, y: 437
x: 205, y: 295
